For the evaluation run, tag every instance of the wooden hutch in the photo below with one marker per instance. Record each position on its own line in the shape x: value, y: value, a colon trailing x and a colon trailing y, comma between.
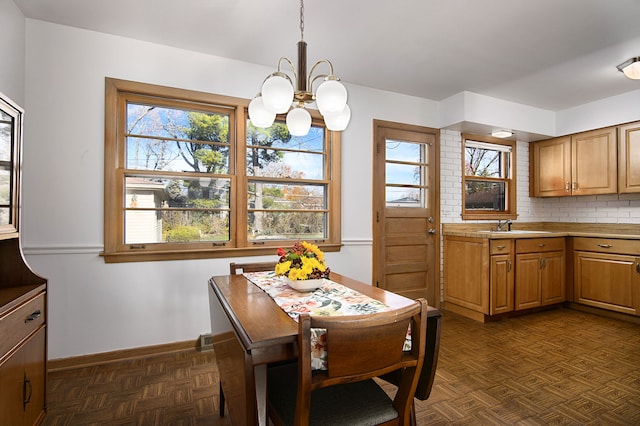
x: 23, y: 293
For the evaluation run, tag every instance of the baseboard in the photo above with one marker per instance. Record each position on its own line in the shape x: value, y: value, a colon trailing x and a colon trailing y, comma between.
x: 121, y: 355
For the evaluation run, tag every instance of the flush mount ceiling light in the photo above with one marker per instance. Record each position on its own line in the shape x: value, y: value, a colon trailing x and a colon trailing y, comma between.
x: 631, y: 68
x: 277, y: 94
x: 501, y: 133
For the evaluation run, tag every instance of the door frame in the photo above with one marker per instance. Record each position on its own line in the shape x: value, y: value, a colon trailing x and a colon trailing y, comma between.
x: 379, y: 204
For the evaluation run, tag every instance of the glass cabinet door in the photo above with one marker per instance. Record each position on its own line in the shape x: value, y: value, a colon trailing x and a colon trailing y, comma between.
x: 10, y: 144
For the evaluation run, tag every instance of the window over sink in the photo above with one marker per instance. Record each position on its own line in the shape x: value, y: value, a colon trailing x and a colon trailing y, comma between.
x: 488, y: 178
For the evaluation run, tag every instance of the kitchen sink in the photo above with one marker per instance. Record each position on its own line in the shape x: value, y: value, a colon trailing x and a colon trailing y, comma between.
x: 517, y: 231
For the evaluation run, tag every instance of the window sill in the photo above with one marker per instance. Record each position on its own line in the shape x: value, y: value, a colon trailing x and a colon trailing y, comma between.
x: 157, y: 255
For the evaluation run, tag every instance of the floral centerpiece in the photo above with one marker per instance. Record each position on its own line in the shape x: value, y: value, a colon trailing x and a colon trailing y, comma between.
x: 302, y: 262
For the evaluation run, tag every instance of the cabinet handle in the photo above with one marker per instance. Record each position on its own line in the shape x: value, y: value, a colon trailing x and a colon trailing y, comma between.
x: 33, y: 316
x: 566, y: 186
x: 541, y: 245
x: 26, y: 399
x: 509, y: 266
x: 501, y: 247
x: 605, y: 245
x: 574, y: 185
x: 543, y: 263
x: 638, y: 268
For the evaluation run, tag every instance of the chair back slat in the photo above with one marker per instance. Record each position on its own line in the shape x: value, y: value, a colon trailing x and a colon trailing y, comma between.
x: 239, y: 268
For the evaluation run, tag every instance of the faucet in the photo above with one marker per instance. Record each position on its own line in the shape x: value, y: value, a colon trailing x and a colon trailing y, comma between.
x: 500, y: 225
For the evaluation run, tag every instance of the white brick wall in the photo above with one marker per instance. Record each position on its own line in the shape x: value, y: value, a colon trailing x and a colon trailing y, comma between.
x: 623, y: 208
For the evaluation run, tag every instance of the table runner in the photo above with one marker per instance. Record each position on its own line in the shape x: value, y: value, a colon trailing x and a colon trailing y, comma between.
x: 330, y: 298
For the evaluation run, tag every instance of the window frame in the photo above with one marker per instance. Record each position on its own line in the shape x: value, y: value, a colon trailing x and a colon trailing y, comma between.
x: 116, y: 250
x: 510, y: 211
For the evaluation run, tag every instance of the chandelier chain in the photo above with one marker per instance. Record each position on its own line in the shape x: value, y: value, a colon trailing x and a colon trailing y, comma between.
x: 301, y: 19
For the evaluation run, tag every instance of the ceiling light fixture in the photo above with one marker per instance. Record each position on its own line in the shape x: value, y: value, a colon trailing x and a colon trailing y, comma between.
x: 501, y: 133
x: 277, y: 95
x: 631, y: 68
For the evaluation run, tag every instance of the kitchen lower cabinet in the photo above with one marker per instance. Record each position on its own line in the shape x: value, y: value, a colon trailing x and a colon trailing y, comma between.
x: 540, y: 272
x: 607, y: 274
x: 501, y: 277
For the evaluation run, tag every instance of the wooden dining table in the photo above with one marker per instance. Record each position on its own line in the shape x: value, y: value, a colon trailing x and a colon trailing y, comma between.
x: 262, y: 334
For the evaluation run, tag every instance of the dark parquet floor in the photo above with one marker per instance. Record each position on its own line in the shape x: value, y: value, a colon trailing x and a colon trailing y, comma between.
x: 560, y: 367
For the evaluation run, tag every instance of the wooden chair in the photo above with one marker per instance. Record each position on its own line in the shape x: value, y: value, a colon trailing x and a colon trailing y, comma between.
x: 239, y: 268
x: 428, y: 372
x: 359, y: 348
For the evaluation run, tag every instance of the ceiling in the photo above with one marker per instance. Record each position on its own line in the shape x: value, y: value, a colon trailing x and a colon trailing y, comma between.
x: 551, y: 54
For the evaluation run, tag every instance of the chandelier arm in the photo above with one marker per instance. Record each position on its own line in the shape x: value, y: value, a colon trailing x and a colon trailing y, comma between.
x: 311, y: 78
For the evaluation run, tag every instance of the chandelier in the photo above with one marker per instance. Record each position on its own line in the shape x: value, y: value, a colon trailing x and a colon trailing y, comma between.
x: 278, y: 96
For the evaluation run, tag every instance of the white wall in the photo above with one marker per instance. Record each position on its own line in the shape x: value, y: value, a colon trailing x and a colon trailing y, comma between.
x: 96, y: 307
x: 12, y: 59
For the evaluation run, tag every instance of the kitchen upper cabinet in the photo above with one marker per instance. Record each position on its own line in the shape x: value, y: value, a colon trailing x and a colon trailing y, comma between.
x: 551, y: 167
x: 580, y: 164
x: 540, y: 272
x: 629, y: 158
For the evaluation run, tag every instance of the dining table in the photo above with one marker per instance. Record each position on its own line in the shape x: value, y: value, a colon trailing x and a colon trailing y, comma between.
x: 263, y: 334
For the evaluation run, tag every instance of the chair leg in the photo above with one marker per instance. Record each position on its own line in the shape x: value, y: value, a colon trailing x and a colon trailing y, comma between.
x: 413, y: 414
x: 221, y: 401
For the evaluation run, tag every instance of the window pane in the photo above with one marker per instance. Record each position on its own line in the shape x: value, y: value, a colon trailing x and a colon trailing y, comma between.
x: 483, y: 195
x: 176, y: 156
x: 291, y: 165
x: 485, y: 162
x: 195, y: 193
x: 278, y: 136
x: 405, y: 197
x: 173, y: 139
x: 404, y: 151
x: 287, y: 225
x: 175, y: 226
x: 271, y: 196
x: 5, y: 141
x: 4, y: 215
x: 176, y: 123
x: 403, y: 174
x: 299, y: 157
x: 5, y: 185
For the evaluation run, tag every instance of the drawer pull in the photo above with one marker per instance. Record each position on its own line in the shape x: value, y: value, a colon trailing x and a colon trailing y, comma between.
x: 33, y: 316
x: 501, y: 247
x: 26, y: 398
x: 605, y: 245
x: 541, y: 245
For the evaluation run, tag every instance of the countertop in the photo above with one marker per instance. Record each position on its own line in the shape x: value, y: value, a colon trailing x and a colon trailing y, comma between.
x: 544, y: 230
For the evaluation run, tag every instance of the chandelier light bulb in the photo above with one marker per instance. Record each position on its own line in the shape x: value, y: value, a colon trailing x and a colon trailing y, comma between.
x: 277, y: 94
x: 339, y: 121
x: 259, y: 115
x: 298, y: 121
x: 331, y: 97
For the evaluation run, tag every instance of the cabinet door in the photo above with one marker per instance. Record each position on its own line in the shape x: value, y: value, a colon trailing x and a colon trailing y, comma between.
x: 466, y: 273
x: 527, y: 286
x: 608, y: 281
x: 552, y: 278
x: 501, y: 284
x: 594, y: 162
x: 629, y: 158
x: 551, y: 167
x: 34, y: 368
x: 22, y: 381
